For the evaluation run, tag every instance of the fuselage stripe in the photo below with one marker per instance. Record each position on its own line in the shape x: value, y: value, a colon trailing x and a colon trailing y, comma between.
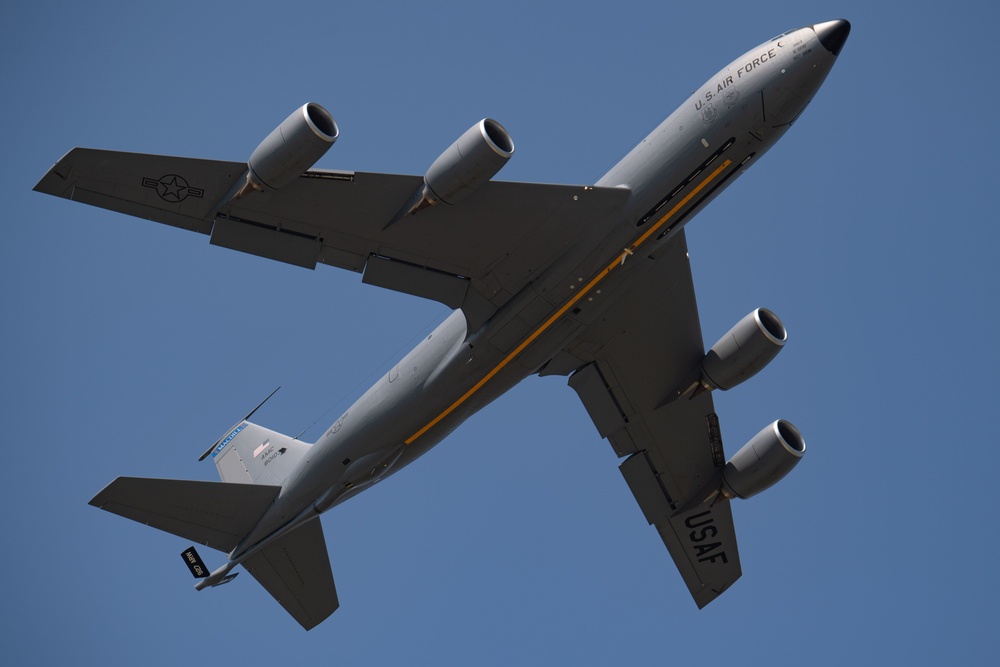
x: 686, y: 182
x: 618, y: 261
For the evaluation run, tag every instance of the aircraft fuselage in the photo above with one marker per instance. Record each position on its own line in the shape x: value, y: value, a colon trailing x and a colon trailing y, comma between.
x: 722, y: 128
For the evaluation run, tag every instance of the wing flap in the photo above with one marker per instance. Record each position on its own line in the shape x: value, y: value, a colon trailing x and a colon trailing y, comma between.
x: 271, y: 243
x: 295, y: 570
x: 215, y: 514
x: 408, y: 278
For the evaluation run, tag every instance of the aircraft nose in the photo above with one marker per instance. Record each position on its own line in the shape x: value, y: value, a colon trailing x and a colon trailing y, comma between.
x: 833, y: 34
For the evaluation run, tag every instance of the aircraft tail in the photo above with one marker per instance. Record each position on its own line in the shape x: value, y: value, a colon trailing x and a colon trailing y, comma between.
x: 294, y: 568
x: 216, y: 514
x: 252, y: 454
x: 253, y: 463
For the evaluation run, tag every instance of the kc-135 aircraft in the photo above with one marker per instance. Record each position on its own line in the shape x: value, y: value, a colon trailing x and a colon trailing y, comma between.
x: 591, y: 282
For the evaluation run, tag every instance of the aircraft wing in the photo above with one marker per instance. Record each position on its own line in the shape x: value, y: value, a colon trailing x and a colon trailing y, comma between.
x: 474, y: 255
x: 295, y: 570
x: 638, y: 354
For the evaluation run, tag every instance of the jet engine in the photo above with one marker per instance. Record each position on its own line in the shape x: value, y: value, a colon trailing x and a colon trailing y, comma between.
x: 463, y: 167
x: 763, y: 461
x: 473, y: 159
x: 744, y: 350
x: 292, y: 148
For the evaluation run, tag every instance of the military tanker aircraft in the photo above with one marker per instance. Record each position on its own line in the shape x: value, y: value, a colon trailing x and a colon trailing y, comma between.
x: 591, y: 282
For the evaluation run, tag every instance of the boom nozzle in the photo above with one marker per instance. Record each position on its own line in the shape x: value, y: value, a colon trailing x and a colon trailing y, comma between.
x: 217, y: 578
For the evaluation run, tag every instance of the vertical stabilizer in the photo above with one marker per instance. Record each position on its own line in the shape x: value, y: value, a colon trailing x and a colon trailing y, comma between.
x: 252, y: 454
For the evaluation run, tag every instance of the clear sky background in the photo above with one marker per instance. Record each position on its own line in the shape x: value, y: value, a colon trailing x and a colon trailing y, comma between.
x: 128, y: 347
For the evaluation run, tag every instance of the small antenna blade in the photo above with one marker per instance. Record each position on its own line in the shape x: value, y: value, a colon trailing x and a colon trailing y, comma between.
x: 230, y: 430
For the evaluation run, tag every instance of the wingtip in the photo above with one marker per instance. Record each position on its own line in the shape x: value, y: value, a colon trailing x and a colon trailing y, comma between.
x: 98, y: 500
x: 56, y: 179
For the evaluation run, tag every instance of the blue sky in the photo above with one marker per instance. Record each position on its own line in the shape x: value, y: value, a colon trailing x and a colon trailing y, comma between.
x: 129, y: 347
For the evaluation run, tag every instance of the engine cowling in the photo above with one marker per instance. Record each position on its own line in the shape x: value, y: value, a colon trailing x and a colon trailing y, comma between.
x: 467, y: 164
x: 763, y: 461
x: 292, y: 148
x: 744, y: 350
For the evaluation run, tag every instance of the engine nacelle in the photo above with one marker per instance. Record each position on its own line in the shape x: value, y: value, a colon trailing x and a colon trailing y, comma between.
x: 468, y: 163
x: 744, y: 350
x: 763, y: 461
x: 292, y: 148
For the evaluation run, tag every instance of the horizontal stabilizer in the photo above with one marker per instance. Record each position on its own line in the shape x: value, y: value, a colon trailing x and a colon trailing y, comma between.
x: 215, y: 514
x: 295, y: 569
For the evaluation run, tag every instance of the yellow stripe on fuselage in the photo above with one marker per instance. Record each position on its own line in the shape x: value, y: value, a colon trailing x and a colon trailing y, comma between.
x: 619, y: 260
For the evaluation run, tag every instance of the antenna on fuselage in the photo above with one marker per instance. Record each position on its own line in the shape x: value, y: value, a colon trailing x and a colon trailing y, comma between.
x: 249, y: 415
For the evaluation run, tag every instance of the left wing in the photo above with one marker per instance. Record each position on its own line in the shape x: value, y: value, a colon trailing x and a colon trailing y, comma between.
x: 637, y: 355
x: 474, y: 255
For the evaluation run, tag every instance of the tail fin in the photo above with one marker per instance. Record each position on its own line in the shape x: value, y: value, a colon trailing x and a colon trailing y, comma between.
x: 215, y: 514
x: 252, y: 454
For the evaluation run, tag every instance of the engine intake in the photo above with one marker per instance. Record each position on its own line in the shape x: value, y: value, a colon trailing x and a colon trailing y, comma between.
x: 462, y: 168
x: 744, y: 350
x: 763, y: 461
x: 292, y: 148
x: 467, y: 164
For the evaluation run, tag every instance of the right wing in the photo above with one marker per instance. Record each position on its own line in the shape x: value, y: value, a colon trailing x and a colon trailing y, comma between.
x: 295, y: 570
x: 474, y: 255
x: 632, y: 360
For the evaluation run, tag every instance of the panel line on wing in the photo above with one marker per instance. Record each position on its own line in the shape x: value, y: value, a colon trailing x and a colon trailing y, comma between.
x: 272, y: 228
x: 618, y: 261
